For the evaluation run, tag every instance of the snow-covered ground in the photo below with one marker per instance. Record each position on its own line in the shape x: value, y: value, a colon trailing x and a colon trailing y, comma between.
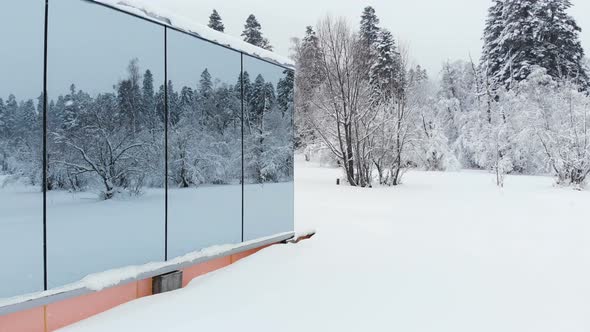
x: 443, y: 252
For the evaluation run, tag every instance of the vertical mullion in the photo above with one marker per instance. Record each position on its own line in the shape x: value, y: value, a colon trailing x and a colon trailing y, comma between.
x: 243, y: 165
x: 166, y: 110
x: 45, y: 53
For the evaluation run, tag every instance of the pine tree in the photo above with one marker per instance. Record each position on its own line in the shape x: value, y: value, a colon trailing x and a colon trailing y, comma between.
x: 369, y: 26
x: 174, y: 110
x: 2, y: 114
x: 384, y: 73
x: 244, y: 79
x: 187, y: 98
x: 215, y: 22
x: 10, y: 115
x: 27, y: 117
x: 148, y: 90
x: 492, y: 58
x: 149, y: 100
x: 253, y: 34
x: 369, y: 36
x: 562, y: 54
x: 309, y: 63
x: 71, y: 111
x: 517, y: 42
x: 421, y: 74
x: 522, y: 34
x: 285, y: 91
x: 258, y: 101
x: 205, y: 85
x: 130, y: 98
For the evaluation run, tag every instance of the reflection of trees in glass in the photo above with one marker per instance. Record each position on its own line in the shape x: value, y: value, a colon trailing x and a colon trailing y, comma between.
x: 268, y: 129
x: 21, y: 137
x: 205, y: 134
x: 113, y: 142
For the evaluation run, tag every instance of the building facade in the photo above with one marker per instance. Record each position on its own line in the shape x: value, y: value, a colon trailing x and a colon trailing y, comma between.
x: 126, y: 139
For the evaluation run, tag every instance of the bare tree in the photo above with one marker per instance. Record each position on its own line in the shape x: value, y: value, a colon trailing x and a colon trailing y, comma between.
x: 342, y: 117
x: 103, y: 149
x: 399, y: 111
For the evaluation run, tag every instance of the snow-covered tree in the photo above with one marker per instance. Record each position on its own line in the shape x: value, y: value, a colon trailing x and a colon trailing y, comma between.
x: 493, y: 55
x: 385, y: 73
x: 369, y: 36
x: 215, y: 22
x: 369, y: 31
x: 522, y: 34
x: 253, y: 34
x: 285, y: 91
x: 563, y: 54
x: 560, y: 118
x: 342, y: 114
x: 310, y: 75
x: 433, y: 146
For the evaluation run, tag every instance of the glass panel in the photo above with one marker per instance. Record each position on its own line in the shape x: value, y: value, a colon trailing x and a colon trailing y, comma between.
x: 204, y: 145
x: 105, y: 199
x: 21, y: 147
x: 268, y: 149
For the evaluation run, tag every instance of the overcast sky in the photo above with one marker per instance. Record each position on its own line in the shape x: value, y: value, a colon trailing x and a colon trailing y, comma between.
x: 435, y: 30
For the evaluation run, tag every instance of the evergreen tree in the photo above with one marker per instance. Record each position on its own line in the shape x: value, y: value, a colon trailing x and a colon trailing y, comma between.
x: 161, y: 104
x: 147, y: 93
x: 205, y: 85
x: 269, y: 97
x: 384, y: 73
x: 26, y: 118
x: 518, y: 44
x: 10, y: 116
x: 309, y: 63
x: 244, y: 79
x: 493, y: 57
x: 258, y: 101
x: 421, y: 74
x: 369, y: 36
x: 130, y: 98
x: 562, y: 54
x: 70, y: 112
x: 215, y: 22
x: 285, y: 91
x: 522, y: 34
x: 186, y: 101
x: 369, y: 26
x: 253, y: 34
x: 174, y: 110
x: 2, y: 114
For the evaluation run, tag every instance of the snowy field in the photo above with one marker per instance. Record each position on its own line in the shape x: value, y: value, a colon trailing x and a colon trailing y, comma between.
x: 444, y: 252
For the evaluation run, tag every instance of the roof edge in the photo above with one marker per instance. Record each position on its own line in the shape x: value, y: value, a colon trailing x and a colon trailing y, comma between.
x: 151, y: 12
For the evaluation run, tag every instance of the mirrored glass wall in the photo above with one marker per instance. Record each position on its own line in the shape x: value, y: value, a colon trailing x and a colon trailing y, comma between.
x: 106, y: 136
x: 268, y: 149
x: 152, y: 144
x: 204, y: 145
x: 21, y: 147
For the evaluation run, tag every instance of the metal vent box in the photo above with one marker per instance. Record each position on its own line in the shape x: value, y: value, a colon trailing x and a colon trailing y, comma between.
x: 167, y: 282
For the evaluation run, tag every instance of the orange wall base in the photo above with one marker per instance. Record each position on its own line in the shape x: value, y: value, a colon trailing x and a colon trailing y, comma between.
x: 60, y: 314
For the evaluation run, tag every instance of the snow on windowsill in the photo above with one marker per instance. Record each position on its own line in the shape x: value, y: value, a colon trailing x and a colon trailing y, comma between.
x: 99, y: 281
x: 152, y: 12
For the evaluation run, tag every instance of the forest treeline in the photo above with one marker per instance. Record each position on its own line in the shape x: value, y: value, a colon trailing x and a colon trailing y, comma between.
x: 523, y: 108
x: 114, y: 142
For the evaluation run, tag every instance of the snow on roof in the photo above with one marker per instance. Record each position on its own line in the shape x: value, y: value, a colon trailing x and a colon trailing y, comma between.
x: 153, y: 12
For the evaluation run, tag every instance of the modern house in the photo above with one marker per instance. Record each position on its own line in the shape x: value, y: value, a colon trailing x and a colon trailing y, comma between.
x: 133, y: 144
